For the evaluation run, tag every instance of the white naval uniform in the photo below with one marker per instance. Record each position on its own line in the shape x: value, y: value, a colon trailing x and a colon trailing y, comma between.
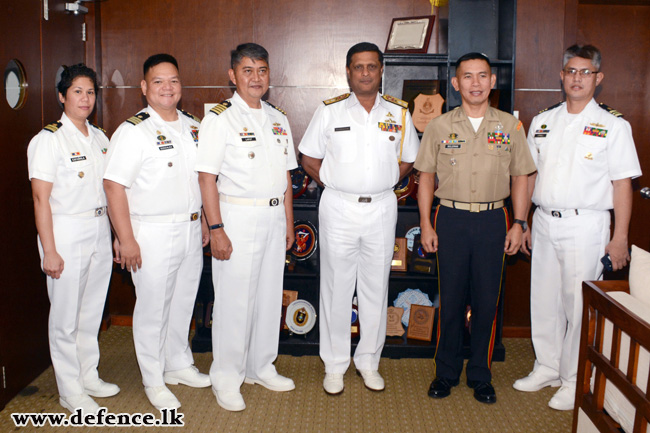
x: 251, y: 159
x: 156, y: 165
x: 74, y: 164
x: 360, y: 152
x: 577, y: 158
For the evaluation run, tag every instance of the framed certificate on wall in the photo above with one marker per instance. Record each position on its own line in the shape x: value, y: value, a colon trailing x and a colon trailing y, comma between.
x: 410, y: 35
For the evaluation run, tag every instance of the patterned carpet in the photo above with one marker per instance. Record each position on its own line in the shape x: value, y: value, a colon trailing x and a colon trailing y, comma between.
x: 402, y: 407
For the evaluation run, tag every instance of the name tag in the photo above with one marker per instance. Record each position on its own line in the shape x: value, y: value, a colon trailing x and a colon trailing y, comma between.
x: 249, y: 139
x: 78, y: 158
x: 452, y: 146
x: 342, y: 128
x: 171, y: 146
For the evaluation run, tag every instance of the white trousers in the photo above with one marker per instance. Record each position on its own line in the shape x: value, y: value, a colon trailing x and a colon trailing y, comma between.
x: 566, y: 252
x: 356, y: 247
x: 77, y: 299
x: 248, y: 296
x: 165, y: 288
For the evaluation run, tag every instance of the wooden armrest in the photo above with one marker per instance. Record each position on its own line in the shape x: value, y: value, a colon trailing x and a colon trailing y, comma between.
x: 609, y: 286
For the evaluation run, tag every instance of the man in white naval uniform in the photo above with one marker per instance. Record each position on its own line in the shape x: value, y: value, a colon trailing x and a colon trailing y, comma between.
x: 247, y: 143
x: 154, y: 193
x: 358, y: 145
x: 585, y: 159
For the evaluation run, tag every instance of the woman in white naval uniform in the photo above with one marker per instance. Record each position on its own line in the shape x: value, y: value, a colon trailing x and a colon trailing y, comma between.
x: 66, y: 165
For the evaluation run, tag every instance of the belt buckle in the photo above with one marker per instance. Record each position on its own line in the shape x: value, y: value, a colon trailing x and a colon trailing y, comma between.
x: 274, y: 202
x: 556, y: 214
x: 475, y: 207
x: 194, y: 216
x: 100, y: 211
x: 365, y: 199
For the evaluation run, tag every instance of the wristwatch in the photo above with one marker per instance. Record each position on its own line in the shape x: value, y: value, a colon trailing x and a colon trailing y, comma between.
x: 523, y: 224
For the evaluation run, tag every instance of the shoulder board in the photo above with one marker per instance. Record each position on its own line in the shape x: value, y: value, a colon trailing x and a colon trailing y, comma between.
x: 220, y: 108
x: 399, y: 102
x: 191, y: 116
x: 52, y: 127
x: 277, y: 108
x: 610, y: 110
x: 98, y: 127
x: 551, y: 107
x: 138, y: 118
x: 337, y: 99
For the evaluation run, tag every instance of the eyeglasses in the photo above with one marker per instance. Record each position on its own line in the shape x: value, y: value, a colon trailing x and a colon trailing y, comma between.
x: 585, y: 73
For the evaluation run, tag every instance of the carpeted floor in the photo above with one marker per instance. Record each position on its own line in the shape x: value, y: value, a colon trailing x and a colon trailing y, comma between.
x: 403, y: 407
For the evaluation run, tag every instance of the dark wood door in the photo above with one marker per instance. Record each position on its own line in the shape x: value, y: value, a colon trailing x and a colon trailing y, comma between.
x: 41, y: 46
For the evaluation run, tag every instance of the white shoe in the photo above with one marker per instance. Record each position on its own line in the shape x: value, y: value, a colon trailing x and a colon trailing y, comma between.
x: 333, y: 383
x: 372, y: 379
x: 189, y: 376
x: 99, y: 388
x: 563, y: 399
x: 535, y: 381
x: 230, y: 400
x: 161, y: 397
x: 277, y: 383
x: 82, y: 401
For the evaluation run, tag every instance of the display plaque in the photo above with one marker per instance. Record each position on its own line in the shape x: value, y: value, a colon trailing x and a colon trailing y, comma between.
x: 410, y: 35
x: 301, y: 317
x: 406, y: 187
x: 421, y: 261
x: 394, y: 326
x: 399, y: 255
x: 288, y: 296
x: 306, y: 240
x: 421, y: 322
x: 299, y: 181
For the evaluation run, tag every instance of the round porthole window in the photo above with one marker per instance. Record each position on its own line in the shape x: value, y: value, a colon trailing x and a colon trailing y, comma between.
x: 15, y: 84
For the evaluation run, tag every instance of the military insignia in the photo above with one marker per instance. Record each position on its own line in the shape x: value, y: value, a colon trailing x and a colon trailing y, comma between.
x: 544, y: 126
x: 595, y: 132
x: 81, y: 175
x: 276, y: 124
x: 245, y: 129
x: 499, y: 127
x: 519, y: 125
x: 138, y: 118
x: 306, y: 240
x: 589, y: 156
x: 161, y: 138
x: 610, y: 110
x: 104, y: 150
x: 251, y: 155
x: 300, y: 317
x: 277, y: 108
x: 278, y: 130
x: 551, y: 107
x: 246, y: 134
x: 53, y: 127
x: 220, y: 108
x: 490, y: 147
x: 453, y: 161
x: 453, y: 136
x: 336, y: 99
x: 497, y: 137
x: 163, y: 141
x: 195, y: 134
x: 75, y: 153
x: 389, y: 127
x: 389, y: 114
x: 396, y: 101
x: 98, y: 127
x: 191, y: 116
x: 597, y: 125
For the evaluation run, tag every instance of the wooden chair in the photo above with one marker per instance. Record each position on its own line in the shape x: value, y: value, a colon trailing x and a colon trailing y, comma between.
x: 599, y: 307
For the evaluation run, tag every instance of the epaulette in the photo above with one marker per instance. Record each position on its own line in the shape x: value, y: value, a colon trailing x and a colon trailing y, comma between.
x: 98, y: 127
x: 220, y: 108
x: 277, y: 108
x: 551, y: 107
x: 610, y: 110
x: 337, y: 99
x: 191, y: 116
x: 138, y: 118
x: 52, y: 127
x: 399, y: 102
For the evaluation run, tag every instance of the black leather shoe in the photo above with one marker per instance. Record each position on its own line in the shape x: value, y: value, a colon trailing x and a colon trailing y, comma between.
x: 483, y: 391
x: 441, y: 387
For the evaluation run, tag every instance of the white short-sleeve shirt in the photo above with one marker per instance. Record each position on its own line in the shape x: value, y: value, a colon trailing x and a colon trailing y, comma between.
x: 578, y: 156
x: 250, y: 157
x: 360, y: 150
x: 156, y: 164
x: 72, y: 162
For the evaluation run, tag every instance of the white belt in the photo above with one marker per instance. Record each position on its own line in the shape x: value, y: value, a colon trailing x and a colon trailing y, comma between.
x: 566, y: 213
x: 97, y: 212
x: 363, y: 198
x: 472, y: 207
x: 172, y: 218
x: 245, y: 201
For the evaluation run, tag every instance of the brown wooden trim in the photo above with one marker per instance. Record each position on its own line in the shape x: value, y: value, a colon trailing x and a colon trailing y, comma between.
x: 516, y: 332
x: 123, y: 320
x: 570, y: 23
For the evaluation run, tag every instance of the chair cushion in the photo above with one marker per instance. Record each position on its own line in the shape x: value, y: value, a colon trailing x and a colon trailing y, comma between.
x: 640, y: 275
